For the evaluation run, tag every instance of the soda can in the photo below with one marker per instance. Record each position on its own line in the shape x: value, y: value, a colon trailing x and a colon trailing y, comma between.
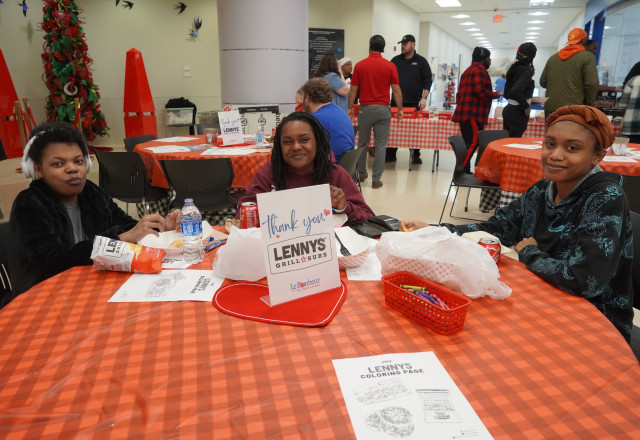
x: 248, y: 215
x: 273, y: 132
x: 492, y: 246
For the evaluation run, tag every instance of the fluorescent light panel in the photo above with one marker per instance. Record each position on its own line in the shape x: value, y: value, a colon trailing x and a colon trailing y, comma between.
x: 533, y: 28
x: 472, y: 29
x: 538, y: 13
x: 460, y: 16
x: 448, y: 3
x: 536, y: 21
x: 467, y: 23
x: 540, y: 2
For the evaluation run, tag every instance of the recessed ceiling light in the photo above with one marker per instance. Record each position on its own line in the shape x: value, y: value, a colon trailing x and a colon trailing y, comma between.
x: 538, y: 13
x: 536, y: 22
x: 540, y: 2
x: 477, y: 35
x: 533, y: 28
x: 472, y: 29
x: 467, y: 23
x: 448, y: 3
x: 607, y: 27
x: 533, y: 33
x: 460, y: 16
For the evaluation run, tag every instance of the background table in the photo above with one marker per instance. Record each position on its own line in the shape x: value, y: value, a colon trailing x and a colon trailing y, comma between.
x: 516, y: 169
x: 541, y: 364
x: 244, y: 167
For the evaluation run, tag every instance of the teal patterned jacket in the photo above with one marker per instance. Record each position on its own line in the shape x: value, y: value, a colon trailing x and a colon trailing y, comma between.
x: 585, y: 242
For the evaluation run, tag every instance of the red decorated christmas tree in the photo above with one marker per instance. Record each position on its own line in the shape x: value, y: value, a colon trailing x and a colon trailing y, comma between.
x: 66, y: 69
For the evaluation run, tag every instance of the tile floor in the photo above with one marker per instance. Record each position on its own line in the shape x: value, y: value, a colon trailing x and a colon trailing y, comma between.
x: 416, y: 194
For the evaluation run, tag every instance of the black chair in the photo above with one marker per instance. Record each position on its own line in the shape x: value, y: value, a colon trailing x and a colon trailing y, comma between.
x: 206, y: 181
x: 349, y: 161
x: 124, y: 177
x: 131, y: 142
x: 631, y: 187
x: 462, y: 179
x: 635, y: 280
x: 5, y: 281
x: 200, y: 127
x: 485, y: 137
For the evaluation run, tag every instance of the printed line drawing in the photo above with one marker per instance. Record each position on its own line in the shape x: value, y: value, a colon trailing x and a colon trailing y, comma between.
x: 437, y: 406
x: 381, y: 391
x: 392, y: 420
x: 162, y: 285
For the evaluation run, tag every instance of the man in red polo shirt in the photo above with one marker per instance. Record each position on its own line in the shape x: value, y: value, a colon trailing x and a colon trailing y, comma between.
x: 372, y: 77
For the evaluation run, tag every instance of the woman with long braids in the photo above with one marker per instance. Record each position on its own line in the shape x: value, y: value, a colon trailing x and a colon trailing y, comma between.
x: 519, y: 90
x: 302, y: 157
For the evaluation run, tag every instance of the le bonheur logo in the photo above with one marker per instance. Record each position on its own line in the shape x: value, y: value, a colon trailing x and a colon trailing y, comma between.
x: 303, y: 285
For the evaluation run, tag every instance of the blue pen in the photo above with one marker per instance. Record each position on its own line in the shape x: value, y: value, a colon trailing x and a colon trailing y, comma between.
x: 214, y: 244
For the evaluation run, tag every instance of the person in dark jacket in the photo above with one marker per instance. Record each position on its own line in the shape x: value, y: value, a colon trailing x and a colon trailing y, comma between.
x: 518, y: 91
x: 573, y: 228
x: 54, y: 221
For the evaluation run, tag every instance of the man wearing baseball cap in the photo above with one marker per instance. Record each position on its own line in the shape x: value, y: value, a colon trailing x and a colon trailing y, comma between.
x: 414, y: 74
x: 570, y: 76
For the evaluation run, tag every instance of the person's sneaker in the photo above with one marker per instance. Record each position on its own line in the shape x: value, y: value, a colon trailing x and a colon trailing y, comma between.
x: 363, y: 177
x: 416, y: 160
x: 376, y: 184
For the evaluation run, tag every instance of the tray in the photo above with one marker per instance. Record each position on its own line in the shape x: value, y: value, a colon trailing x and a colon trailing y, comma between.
x: 443, y: 321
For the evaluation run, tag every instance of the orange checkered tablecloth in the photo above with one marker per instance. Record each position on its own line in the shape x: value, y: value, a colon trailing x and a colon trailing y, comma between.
x: 541, y: 364
x: 244, y: 167
x: 516, y: 169
x: 433, y: 134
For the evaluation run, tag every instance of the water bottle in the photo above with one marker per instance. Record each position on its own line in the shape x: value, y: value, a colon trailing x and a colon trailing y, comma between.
x: 259, y: 136
x: 191, y: 230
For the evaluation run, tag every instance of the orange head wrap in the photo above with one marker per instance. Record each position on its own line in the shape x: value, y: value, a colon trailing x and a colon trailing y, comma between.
x: 589, y: 117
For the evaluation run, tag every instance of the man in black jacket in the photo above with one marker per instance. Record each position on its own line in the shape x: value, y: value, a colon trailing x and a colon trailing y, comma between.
x: 414, y: 73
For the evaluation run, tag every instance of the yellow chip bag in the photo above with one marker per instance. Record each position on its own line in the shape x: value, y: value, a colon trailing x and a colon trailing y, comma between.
x: 120, y: 256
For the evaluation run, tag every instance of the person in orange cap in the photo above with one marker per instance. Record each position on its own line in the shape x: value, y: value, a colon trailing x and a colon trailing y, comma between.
x: 572, y: 228
x: 570, y: 76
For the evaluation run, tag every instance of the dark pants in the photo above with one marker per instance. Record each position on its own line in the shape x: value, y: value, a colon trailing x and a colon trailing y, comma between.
x: 514, y: 120
x: 391, y: 152
x: 469, y: 130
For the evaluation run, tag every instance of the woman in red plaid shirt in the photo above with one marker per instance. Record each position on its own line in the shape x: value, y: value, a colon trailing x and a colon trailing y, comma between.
x: 473, y: 100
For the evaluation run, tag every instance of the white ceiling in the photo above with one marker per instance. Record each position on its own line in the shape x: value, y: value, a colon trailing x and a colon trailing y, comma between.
x: 511, y: 32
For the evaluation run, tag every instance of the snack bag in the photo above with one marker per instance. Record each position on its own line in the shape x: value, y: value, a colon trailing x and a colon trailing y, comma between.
x: 120, y: 256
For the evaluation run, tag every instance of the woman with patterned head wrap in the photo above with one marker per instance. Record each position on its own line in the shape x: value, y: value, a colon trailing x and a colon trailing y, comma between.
x: 572, y: 228
x: 519, y: 90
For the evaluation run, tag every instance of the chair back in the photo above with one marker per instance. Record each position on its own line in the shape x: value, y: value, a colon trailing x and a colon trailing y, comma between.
x: 460, y: 150
x: 200, y: 127
x: 5, y: 281
x: 122, y: 175
x: 631, y: 187
x: 635, y: 278
x: 131, y: 142
x: 485, y: 137
x: 349, y: 161
x: 206, y: 181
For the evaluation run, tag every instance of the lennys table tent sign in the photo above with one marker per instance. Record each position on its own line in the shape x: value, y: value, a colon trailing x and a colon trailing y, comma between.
x: 230, y: 128
x: 299, y: 244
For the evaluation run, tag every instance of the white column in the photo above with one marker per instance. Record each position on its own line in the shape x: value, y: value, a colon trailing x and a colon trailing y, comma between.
x: 263, y: 51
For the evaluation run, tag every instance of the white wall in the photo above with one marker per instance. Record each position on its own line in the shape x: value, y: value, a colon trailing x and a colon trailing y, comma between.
x: 393, y: 20
x: 443, y: 49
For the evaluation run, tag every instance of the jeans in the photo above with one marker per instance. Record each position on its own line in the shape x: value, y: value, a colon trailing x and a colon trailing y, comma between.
x: 377, y: 117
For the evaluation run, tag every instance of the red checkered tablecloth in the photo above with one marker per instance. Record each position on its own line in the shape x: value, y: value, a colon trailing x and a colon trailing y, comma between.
x: 516, y: 169
x: 540, y: 364
x: 244, y: 167
x: 433, y: 134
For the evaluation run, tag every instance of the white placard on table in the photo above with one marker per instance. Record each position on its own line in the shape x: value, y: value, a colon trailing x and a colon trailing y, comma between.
x: 169, y: 285
x: 169, y: 149
x: 238, y: 151
x: 407, y: 396
x: 230, y: 128
x: 298, y: 242
x: 608, y: 158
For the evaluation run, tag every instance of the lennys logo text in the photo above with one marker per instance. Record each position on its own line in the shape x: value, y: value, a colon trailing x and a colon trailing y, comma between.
x: 299, y: 253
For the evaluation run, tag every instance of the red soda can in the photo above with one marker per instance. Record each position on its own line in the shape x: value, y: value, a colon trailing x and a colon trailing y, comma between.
x: 492, y: 246
x: 248, y: 215
x: 273, y: 132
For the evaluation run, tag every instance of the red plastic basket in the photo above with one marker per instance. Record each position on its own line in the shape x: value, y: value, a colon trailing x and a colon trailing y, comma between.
x: 443, y: 321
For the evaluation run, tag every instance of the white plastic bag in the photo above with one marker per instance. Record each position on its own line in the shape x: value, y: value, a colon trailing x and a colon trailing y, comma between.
x: 241, y: 257
x: 445, y: 258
